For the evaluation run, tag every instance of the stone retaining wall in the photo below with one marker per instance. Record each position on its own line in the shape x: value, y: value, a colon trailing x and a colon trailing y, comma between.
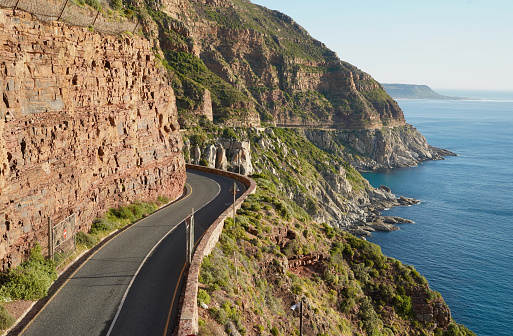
x: 188, y: 324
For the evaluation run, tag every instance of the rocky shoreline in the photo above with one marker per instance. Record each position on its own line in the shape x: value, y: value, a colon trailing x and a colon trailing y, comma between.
x: 375, y: 221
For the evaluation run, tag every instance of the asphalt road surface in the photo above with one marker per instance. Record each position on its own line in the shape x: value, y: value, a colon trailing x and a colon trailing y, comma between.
x: 132, y: 285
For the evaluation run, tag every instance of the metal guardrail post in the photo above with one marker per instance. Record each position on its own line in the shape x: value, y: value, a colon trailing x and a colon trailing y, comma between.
x: 75, y: 231
x: 189, y: 240
x: 62, y: 11
x: 50, y: 238
x: 15, y: 7
x: 96, y: 17
x: 233, y: 190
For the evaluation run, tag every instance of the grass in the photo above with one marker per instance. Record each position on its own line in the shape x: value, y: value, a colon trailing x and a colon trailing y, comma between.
x: 6, y: 319
x: 30, y: 280
x: 117, y: 218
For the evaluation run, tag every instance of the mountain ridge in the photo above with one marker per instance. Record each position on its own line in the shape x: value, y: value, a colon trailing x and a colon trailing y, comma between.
x: 259, y: 65
x: 415, y: 91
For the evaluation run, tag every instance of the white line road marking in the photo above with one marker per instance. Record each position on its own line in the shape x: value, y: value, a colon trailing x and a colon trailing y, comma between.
x: 146, y: 258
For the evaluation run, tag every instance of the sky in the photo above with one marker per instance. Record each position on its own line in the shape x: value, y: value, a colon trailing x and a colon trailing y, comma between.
x: 445, y: 44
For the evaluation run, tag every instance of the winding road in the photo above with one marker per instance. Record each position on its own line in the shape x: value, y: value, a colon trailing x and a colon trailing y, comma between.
x: 132, y: 284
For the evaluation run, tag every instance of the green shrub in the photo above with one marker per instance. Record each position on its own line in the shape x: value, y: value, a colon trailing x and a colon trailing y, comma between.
x: 94, y: 3
x: 203, y: 297
x: 455, y: 329
x: 141, y: 209
x: 387, y: 291
x: 348, y: 250
x: 370, y: 319
x: 297, y: 289
x: 361, y: 273
x: 119, y: 217
x: 163, y: 199
x: 116, y: 4
x: 123, y: 213
x: 86, y: 239
x: 30, y: 280
x: 355, y: 242
x: 229, y: 133
x: 275, y: 331
x: 102, y: 225
x: 347, y: 305
x: 330, y: 233
x: 403, y: 305
x: 6, y: 319
x: 219, y: 315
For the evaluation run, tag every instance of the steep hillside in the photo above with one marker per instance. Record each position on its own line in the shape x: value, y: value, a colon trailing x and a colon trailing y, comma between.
x: 87, y: 122
x: 254, y: 64
x: 314, y: 177
x: 282, y: 250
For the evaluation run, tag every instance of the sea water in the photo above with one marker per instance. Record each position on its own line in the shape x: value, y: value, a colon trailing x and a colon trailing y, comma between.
x: 462, y: 239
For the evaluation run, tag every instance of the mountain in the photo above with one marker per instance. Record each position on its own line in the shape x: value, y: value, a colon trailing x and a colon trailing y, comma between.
x: 247, y: 64
x: 103, y: 129
x: 412, y: 91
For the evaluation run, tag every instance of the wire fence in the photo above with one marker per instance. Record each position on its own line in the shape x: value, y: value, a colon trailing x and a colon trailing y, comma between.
x: 63, y: 240
x: 73, y: 14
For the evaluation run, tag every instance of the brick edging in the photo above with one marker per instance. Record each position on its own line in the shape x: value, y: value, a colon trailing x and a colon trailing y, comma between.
x: 188, y: 322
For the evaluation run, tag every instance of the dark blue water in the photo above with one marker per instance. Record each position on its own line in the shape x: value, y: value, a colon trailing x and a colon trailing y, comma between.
x: 462, y: 239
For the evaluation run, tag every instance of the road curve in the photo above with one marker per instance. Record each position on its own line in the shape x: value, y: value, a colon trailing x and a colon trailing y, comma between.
x: 90, y: 300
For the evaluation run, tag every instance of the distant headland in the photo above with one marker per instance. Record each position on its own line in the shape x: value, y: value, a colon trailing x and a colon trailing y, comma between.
x: 412, y: 91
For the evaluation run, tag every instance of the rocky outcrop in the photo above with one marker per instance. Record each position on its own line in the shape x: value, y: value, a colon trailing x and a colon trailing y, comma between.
x: 225, y: 154
x: 205, y: 109
x: 87, y: 122
x: 436, y: 313
x: 388, y: 147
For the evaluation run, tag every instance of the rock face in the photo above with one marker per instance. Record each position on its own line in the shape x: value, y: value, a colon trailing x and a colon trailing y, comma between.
x: 260, y: 64
x: 205, y: 109
x: 388, y: 147
x: 87, y: 122
x: 225, y: 154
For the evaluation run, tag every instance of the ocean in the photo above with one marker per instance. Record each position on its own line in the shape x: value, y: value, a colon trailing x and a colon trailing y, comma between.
x: 462, y: 239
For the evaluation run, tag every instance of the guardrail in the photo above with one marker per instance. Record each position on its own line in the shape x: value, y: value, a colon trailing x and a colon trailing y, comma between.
x: 188, y: 323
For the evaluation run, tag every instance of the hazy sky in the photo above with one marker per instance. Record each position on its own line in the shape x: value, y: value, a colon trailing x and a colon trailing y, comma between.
x: 446, y: 44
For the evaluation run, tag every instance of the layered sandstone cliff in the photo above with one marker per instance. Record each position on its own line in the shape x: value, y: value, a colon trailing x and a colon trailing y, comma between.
x: 87, y: 122
x: 260, y: 65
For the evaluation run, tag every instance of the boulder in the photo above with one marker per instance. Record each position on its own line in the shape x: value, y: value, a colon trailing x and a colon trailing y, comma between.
x: 396, y: 220
x: 210, y: 155
x: 406, y: 201
x: 196, y: 155
x: 380, y: 226
x: 221, y: 160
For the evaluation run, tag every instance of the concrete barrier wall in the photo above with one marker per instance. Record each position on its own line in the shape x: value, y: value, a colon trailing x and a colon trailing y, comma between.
x: 188, y: 323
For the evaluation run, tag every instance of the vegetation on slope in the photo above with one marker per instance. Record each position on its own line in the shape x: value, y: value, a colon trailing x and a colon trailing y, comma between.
x: 274, y: 256
x: 117, y: 218
x: 259, y: 63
